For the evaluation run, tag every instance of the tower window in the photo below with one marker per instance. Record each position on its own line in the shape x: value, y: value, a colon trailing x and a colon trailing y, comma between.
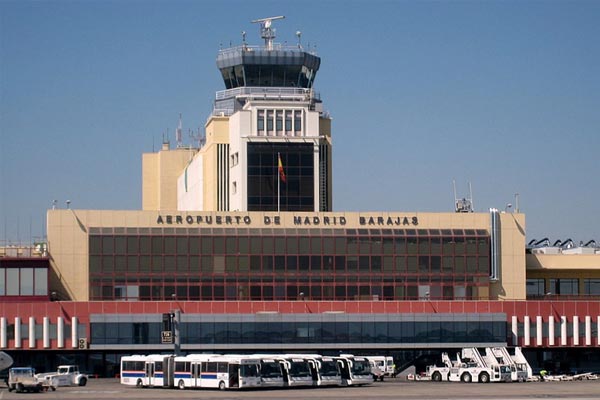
x: 297, y: 120
x: 260, y: 122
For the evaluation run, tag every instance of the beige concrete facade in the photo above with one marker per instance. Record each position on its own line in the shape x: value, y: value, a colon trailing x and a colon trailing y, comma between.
x: 68, y: 231
x: 159, y: 176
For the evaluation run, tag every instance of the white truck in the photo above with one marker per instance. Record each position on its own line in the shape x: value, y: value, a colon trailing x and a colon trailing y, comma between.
x: 66, y: 375
x: 468, y: 370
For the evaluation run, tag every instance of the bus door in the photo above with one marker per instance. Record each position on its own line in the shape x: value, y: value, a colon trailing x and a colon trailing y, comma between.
x: 196, y: 369
x: 314, y: 371
x: 234, y: 375
x: 149, y: 373
x: 285, y: 371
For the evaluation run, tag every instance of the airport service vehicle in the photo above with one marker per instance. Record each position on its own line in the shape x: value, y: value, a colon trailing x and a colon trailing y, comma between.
x: 65, y: 375
x: 467, y: 370
x: 23, y: 380
x: 520, y: 370
x: 356, y: 371
x: 385, y: 364
x: 144, y: 371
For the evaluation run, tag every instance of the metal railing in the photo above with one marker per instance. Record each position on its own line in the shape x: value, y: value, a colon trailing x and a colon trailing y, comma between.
x: 268, y: 92
x: 276, y: 47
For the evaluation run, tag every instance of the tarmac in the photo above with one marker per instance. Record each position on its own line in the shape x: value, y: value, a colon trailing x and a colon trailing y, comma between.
x: 389, y: 389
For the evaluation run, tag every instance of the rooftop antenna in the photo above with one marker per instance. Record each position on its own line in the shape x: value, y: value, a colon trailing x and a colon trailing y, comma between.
x: 266, y: 32
x: 178, y: 133
x: 299, y: 35
x: 464, y: 205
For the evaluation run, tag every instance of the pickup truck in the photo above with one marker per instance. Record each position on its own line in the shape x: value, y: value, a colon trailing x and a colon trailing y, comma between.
x: 23, y: 380
x: 66, y: 375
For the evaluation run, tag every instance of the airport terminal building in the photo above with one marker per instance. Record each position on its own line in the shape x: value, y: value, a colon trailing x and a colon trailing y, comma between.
x: 238, y: 245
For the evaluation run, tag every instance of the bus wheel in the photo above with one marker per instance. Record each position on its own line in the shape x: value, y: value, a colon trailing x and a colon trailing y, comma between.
x: 82, y: 382
x: 139, y: 383
x: 484, y: 377
x: 181, y: 384
x: 221, y: 385
x: 466, y: 377
x: 436, y: 377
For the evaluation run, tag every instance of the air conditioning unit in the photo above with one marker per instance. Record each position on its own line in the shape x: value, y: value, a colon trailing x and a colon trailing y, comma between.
x: 82, y: 344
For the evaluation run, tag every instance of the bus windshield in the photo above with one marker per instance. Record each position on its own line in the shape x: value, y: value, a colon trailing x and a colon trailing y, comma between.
x: 299, y: 368
x: 329, y: 368
x: 270, y: 369
x: 361, y: 367
x: 248, y: 370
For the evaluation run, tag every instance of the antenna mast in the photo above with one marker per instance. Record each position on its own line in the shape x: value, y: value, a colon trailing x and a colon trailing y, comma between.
x: 266, y: 32
x: 178, y: 133
x: 463, y: 205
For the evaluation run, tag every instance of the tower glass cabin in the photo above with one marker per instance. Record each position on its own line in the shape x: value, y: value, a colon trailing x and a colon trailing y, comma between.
x: 279, y: 147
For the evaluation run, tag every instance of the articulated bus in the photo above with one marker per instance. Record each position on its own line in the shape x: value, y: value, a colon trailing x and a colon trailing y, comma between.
x: 150, y: 370
x: 243, y: 371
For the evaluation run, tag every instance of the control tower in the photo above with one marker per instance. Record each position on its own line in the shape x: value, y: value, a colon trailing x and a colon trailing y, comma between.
x: 268, y: 140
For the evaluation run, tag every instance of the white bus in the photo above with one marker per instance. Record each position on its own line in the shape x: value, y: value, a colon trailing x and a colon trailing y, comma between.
x: 271, y: 371
x: 133, y: 370
x: 329, y: 371
x: 231, y: 372
x: 355, y: 370
x: 187, y: 371
x: 150, y: 370
x: 297, y: 371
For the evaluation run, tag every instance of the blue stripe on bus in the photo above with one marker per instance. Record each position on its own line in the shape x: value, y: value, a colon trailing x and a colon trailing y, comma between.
x: 183, y: 375
x: 208, y: 376
x: 133, y: 374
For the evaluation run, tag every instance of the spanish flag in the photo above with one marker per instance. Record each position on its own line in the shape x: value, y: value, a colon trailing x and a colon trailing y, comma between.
x: 280, y: 167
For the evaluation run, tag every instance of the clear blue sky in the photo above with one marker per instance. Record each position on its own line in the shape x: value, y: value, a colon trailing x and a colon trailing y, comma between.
x: 505, y: 95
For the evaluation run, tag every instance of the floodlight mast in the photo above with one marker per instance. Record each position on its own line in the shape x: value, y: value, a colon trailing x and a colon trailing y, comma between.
x: 266, y: 32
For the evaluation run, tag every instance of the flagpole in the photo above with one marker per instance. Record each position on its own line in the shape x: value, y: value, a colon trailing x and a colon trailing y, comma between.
x: 278, y: 184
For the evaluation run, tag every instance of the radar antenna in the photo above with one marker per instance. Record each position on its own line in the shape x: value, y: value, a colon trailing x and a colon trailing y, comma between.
x: 266, y: 32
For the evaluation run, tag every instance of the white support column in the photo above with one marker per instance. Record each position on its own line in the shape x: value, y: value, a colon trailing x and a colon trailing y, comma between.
x: 60, y: 332
x: 527, y: 332
x: 538, y: 328
x: 3, y: 340
x: 18, y: 332
x: 575, y: 330
x: 515, y: 330
x: 74, y: 332
x: 46, y: 332
x: 551, y: 333
x: 32, y: 332
x: 588, y: 330
x: 563, y: 330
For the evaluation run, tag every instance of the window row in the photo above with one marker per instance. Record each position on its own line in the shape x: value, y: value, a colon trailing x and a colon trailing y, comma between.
x: 538, y: 287
x: 421, y: 290
x: 275, y: 122
x: 317, y: 232
x: 23, y: 281
x: 192, y: 245
x: 366, y: 332
x: 317, y: 264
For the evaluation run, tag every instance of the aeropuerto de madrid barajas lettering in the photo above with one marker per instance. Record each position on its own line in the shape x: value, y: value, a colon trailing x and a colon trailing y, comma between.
x: 389, y: 221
